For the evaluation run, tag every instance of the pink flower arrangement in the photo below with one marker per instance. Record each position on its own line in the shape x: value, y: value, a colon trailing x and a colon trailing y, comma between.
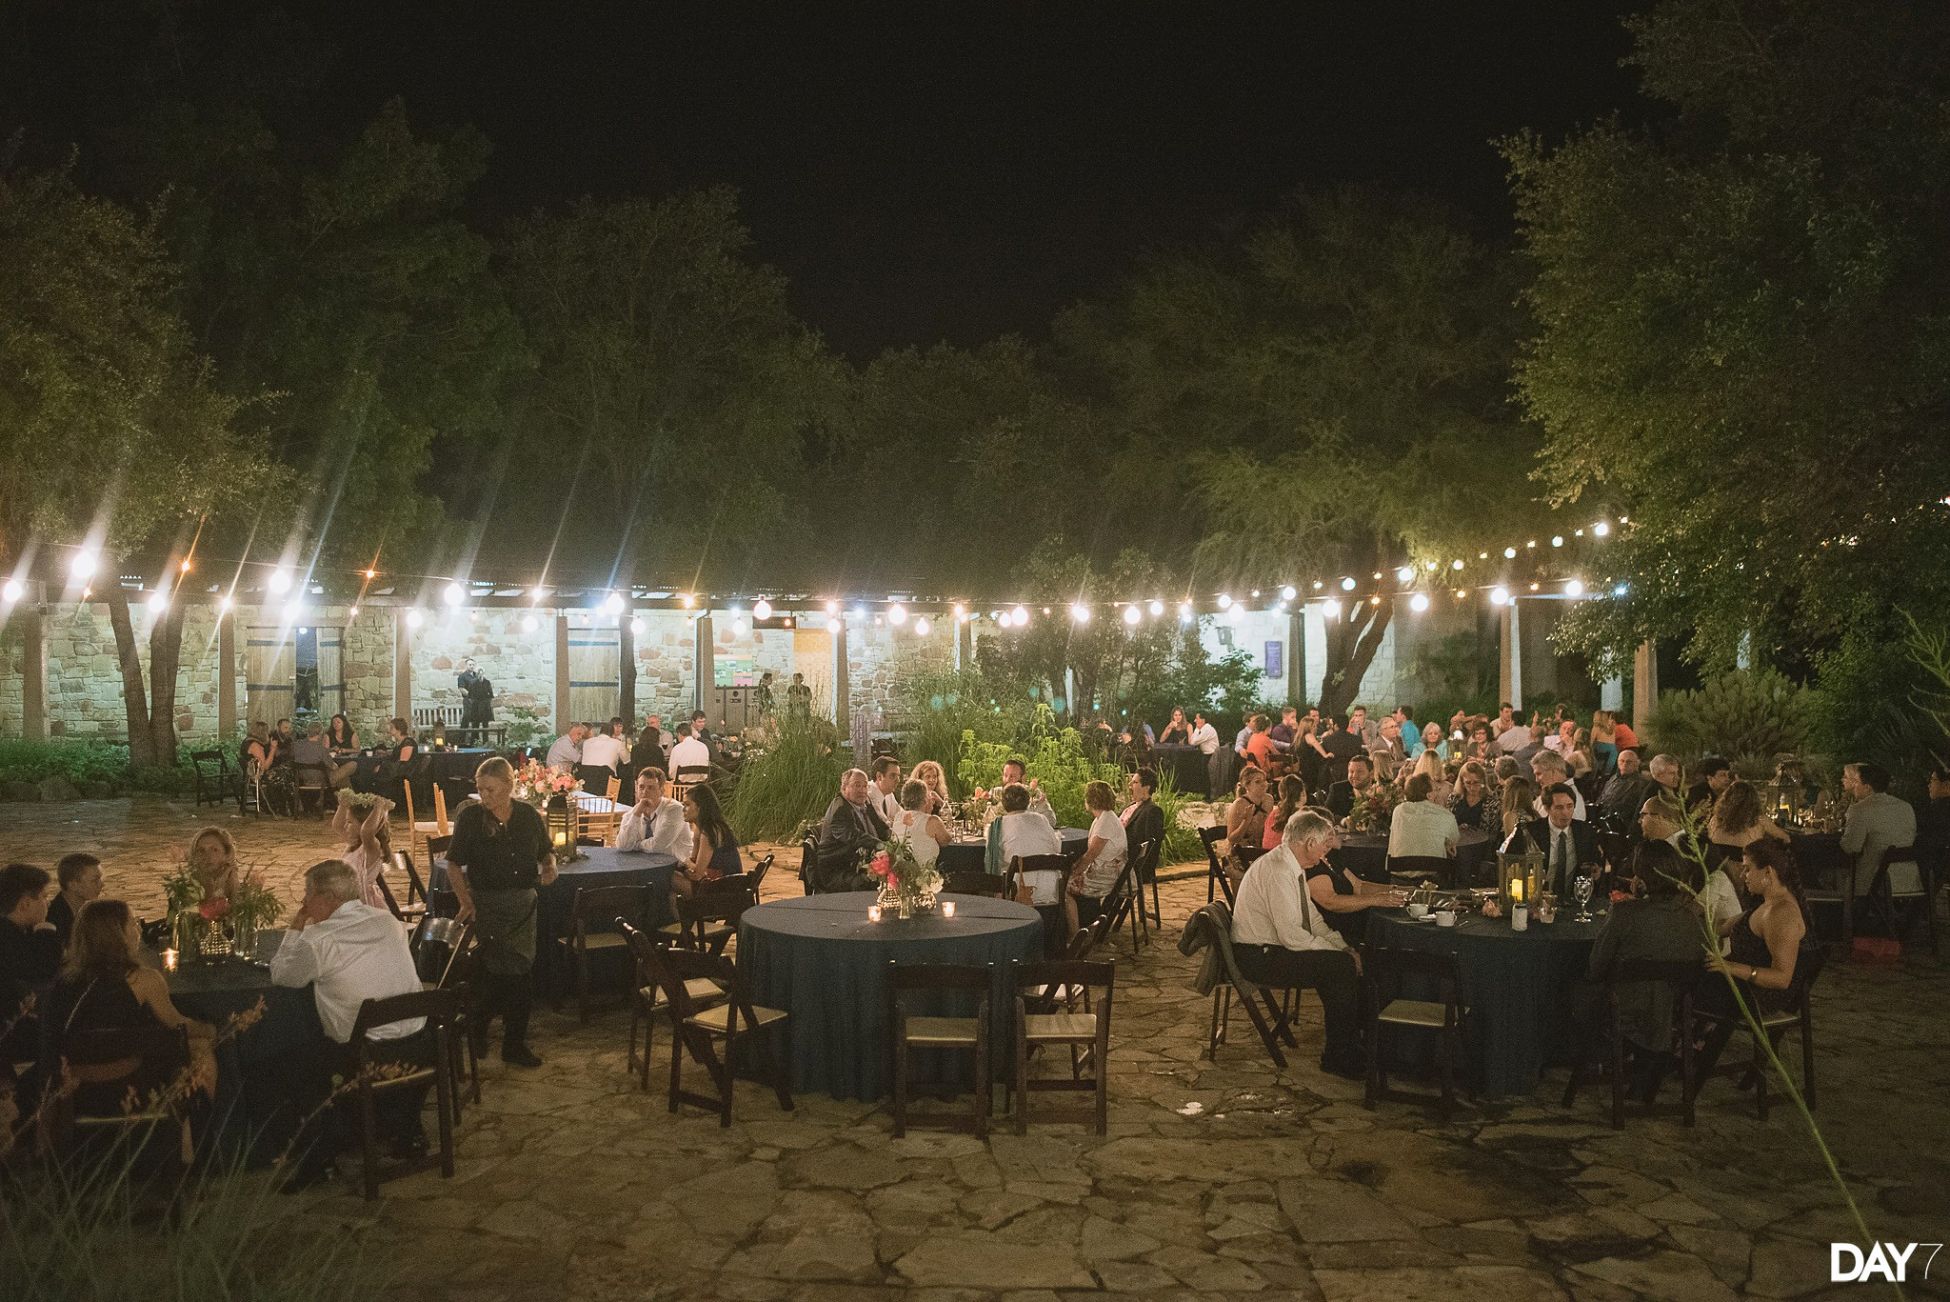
x: 213, y: 909
x: 537, y: 784
x: 881, y: 866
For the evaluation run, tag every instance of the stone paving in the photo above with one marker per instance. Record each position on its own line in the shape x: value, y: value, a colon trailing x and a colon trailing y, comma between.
x: 1222, y: 1179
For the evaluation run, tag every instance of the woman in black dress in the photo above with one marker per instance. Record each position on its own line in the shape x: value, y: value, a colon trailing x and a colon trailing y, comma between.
x: 1764, y: 949
x: 500, y: 854
x: 1475, y: 804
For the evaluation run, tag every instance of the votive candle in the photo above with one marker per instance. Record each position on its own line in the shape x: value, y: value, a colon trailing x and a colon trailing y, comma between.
x: 947, y: 908
x: 169, y: 960
x: 873, y: 913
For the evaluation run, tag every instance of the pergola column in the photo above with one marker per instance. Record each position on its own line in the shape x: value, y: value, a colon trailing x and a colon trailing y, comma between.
x: 626, y: 668
x: 705, y: 663
x: 1645, y: 685
x: 1611, y: 693
x: 561, y: 719
x: 842, y: 706
x: 1510, y: 655
x: 964, y: 645
x: 32, y: 622
x: 1296, y: 657
x: 402, y: 668
x: 226, y: 675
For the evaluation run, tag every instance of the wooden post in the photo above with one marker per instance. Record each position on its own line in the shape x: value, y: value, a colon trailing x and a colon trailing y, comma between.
x: 402, y: 668
x: 1296, y: 657
x: 562, y: 719
x: 704, y: 682
x: 32, y: 620
x: 1510, y: 656
x: 1645, y: 685
x: 842, y: 707
x: 626, y: 670
x: 227, y: 675
x: 964, y: 644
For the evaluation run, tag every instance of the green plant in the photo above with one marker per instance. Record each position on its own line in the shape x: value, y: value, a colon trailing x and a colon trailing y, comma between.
x: 90, y: 761
x: 942, y: 707
x: 523, y: 724
x: 1749, y: 716
x: 791, y: 780
x: 1876, y: 696
x: 1055, y: 757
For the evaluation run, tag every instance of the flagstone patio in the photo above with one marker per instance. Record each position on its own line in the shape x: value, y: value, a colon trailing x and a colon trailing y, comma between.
x: 1217, y: 1179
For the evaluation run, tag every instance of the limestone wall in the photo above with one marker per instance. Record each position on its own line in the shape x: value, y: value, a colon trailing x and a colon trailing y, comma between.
x: 518, y: 661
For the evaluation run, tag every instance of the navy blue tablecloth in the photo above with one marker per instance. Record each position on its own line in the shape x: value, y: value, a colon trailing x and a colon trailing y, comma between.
x: 258, y: 1092
x: 819, y: 959
x: 1517, y: 986
x: 972, y: 856
x: 1365, y: 855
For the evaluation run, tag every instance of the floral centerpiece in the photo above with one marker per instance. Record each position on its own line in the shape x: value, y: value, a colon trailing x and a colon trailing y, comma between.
x: 906, y: 884
x: 553, y: 792
x: 1372, y: 809
x: 219, y: 925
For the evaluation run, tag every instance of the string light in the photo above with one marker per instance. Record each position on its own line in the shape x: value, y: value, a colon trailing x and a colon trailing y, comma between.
x: 897, y: 614
x: 761, y: 609
x: 1019, y: 617
x: 1080, y: 613
x: 280, y: 581
x: 1288, y: 593
x: 1499, y: 596
x: 1456, y: 564
x: 352, y: 613
x: 455, y: 594
x: 1132, y: 615
x: 1225, y: 601
x: 414, y: 619
x: 1331, y: 608
x: 1405, y: 575
x: 184, y: 568
x: 1347, y: 584
x: 1419, y: 602
x: 1185, y: 615
x: 158, y: 601
x: 1601, y: 529
x: 1574, y: 588
x: 11, y: 591
x: 921, y: 627
x: 223, y: 604
x: 961, y: 613
x: 1557, y: 540
x: 1509, y: 553
x: 613, y: 604
x: 832, y: 608
x: 1156, y: 608
x: 82, y: 567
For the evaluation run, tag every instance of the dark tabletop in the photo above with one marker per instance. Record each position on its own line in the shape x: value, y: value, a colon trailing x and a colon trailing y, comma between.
x: 971, y: 856
x: 1365, y: 854
x: 820, y: 959
x: 1517, y: 985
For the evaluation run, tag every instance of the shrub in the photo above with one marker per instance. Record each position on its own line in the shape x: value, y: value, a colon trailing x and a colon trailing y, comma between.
x: 941, y: 708
x: 1056, y: 759
x: 792, y: 779
x: 1749, y: 716
x: 90, y: 761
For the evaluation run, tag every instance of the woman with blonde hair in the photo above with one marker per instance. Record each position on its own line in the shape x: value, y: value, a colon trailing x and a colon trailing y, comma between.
x: 1519, y: 794
x: 212, y: 860
x: 1102, y: 861
x: 930, y: 775
x: 1249, y: 808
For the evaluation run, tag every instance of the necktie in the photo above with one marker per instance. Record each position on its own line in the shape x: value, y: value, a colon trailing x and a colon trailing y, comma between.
x: 1561, y: 872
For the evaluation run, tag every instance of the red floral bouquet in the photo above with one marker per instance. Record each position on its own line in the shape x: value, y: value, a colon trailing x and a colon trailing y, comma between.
x: 214, y: 909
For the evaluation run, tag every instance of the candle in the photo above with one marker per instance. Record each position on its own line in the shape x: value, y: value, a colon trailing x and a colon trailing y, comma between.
x: 947, y: 908
x: 561, y: 838
x: 169, y: 960
x: 873, y: 913
x: 1516, y: 890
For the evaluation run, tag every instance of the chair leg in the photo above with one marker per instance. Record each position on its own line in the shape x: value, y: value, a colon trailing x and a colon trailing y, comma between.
x: 368, y: 1141
x: 1807, y: 1058
x: 1022, y: 1080
x: 984, y: 1083
x: 679, y: 1045
x: 724, y: 1074
x: 1158, y: 912
x: 900, y: 1085
x: 1102, y: 1069
x: 582, y: 984
x: 446, y: 1088
x: 1212, y: 1031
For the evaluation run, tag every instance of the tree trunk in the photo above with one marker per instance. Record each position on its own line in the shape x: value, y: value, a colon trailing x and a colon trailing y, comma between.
x: 135, y: 699
x: 165, y: 654
x: 1352, y: 642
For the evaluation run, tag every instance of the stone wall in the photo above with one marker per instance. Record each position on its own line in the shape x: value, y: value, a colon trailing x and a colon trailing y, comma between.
x: 519, y: 661
x: 84, y: 676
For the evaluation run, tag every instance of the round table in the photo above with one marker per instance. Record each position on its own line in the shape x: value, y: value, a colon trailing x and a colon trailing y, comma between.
x: 1365, y: 855
x: 970, y: 855
x: 1517, y: 985
x: 256, y: 1108
x: 600, y: 865
x: 819, y: 959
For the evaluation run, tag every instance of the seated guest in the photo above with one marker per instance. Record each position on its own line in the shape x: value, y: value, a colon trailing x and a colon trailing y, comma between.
x: 1282, y: 940
x: 654, y: 824
x: 1345, y: 898
x: 923, y: 833
x: 1017, y: 834
x: 1874, y: 822
x: 1664, y: 770
x: 1013, y: 771
x: 930, y: 774
x: 1624, y: 792
x: 1178, y: 732
x: 1309, y: 754
x: 1660, y: 819
x: 848, y: 834
x: 104, y: 986
x: 1506, y: 718
x: 1143, y: 820
x: 1514, y: 738
x: 1516, y: 798
x: 1563, y: 739
x: 648, y: 752
x: 349, y: 952
x: 1429, y: 764
x: 213, y: 862
x: 1583, y: 763
x: 1359, y: 780
x: 565, y: 752
x: 1413, y: 743
x: 1604, y: 741
x: 714, y: 846
x: 1737, y: 821
x: 1432, y: 741
x: 1933, y: 823
x: 1249, y: 807
x: 689, y: 752
x: 1662, y: 926
x: 396, y: 763
x: 1391, y: 743
x: 340, y: 736
x: 1101, y: 863
x: 1293, y: 799
x: 1550, y: 770
x: 1473, y: 804
x: 266, y: 762
x: 886, y: 793
x: 1712, y: 775
x: 1421, y: 828
x: 1764, y: 947
x: 1259, y: 744
x: 605, y: 748
x: 30, y: 956
x: 1284, y: 733
x: 1567, y: 844
x: 310, y: 752
x: 365, y: 837
x: 80, y: 879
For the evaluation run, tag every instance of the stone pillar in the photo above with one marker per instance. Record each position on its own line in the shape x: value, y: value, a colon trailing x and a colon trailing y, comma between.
x: 1645, y: 685
x: 1296, y: 657
x: 227, y: 674
x: 1743, y: 655
x: 705, y: 682
x: 1510, y: 656
x: 32, y: 621
x: 964, y: 644
x: 402, y: 668
x: 561, y: 719
x: 842, y: 705
x: 1611, y: 694
x: 626, y: 670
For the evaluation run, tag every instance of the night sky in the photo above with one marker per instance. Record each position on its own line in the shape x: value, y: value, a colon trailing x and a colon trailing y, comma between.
x: 933, y: 171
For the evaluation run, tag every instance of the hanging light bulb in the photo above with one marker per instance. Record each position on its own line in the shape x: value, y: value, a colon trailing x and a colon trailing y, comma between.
x: 1080, y: 613
x: 223, y: 605
x: 529, y: 623
x: 352, y: 613
x: 1557, y: 540
x: 280, y: 581
x: 961, y: 613
x: 1132, y: 615
x: 1499, y: 596
x: 1331, y: 608
x: 1456, y: 564
x: 1156, y: 608
x: 832, y: 607
x: 1574, y: 587
x: 1019, y: 617
x: 613, y: 604
x: 1225, y: 601
x: 922, y: 627
x: 536, y: 594
x: 455, y: 594
x: 158, y: 601
x: 636, y: 628
x: 1185, y: 615
x: 414, y: 619
x: 1419, y: 602
x: 1509, y: 553
x: 1288, y: 593
x: 1347, y: 583
x: 1601, y: 529
x: 1406, y: 574
x: 11, y: 591
x: 761, y: 609
x: 897, y: 614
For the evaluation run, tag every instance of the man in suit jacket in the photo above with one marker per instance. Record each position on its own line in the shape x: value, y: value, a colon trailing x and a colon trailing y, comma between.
x: 1143, y: 820
x: 1565, y: 840
x: 850, y: 829
x: 1342, y: 795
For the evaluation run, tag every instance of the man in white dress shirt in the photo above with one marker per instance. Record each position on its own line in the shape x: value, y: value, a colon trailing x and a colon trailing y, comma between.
x: 1206, y: 738
x: 349, y: 952
x: 655, y: 824
x: 689, y: 752
x: 886, y: 794
x: 1281, y: 940
x: 605, y: 749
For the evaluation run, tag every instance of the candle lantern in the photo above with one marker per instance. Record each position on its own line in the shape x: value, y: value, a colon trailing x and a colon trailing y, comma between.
x: 1517, y: 878
x: 563, y: 817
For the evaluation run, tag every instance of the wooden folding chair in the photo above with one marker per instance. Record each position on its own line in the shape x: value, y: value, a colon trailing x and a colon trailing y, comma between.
x: 974, y: 882
x: 114, y: 1060
x: 707, y: 918
x: 437, y: 1007
x: 647, y: 999
x: 1384, y: 969
x: 697, y: 1031
x: 1682, y: 977
x: 1270, y: 1020
x: 963, y: 1034
x: 1086, y: 1033
x: 1216, y: 880
x: 1797, y: 1017
x: 590, y: 918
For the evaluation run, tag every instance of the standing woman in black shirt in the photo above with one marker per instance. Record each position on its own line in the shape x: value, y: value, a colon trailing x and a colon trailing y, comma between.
x: 500, y: 854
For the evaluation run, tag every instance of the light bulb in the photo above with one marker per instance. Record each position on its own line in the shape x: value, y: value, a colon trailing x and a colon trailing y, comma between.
x: 536, y: 594
x: 414, y: 619
x: 1499, y: 596
x: 1456, y: 564
x: 1601, y: 529
x: 1574, y: 588
x: 1288, y: 593
x: 1132, y: 615
x: 1621, y: 590
x: 11, y: 591
x: 1156, y: 608
x: 1019, y: 617
x: 158, y: 601
x: 761, y: 609
x: 529, y: 623
x: 688, y: 600
x: 280, y: 581
x: 922, y: 627
x: 352, y: 613
x: 613, y: 604
x: 832, y: 607
x: 82, y: 567
x: 455, y: 594
x: 961, y: 613
x: 1557, y: 540
x: 636, y: 628
x: 223, y: 606
x: 1080, y: 613
x: 1419, y: 602
x: 897, y: 614
x: 1185, y: 615
x: 1406, y: 574
x: 1225, y: 601
x: 1509, y: 553
x: 1331, y: 608
x: 1347, y: 584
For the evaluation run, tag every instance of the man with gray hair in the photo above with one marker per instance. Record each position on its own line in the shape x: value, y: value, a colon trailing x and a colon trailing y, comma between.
x: 349, y: 952
x: 850, y: 829
x: 1548, y: 767
x: 1282, y: 941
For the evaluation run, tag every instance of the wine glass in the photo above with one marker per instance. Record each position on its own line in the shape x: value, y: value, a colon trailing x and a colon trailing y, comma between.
x: 1585, y: 884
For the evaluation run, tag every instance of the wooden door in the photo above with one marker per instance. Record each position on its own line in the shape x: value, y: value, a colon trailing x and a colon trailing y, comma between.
x: 595, y: 675
x: 331, y: 672
x: 270, y: 674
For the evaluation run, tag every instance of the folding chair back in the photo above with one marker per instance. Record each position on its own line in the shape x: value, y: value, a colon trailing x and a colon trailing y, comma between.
x: 1216, y: 880
x: 977, y: 883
